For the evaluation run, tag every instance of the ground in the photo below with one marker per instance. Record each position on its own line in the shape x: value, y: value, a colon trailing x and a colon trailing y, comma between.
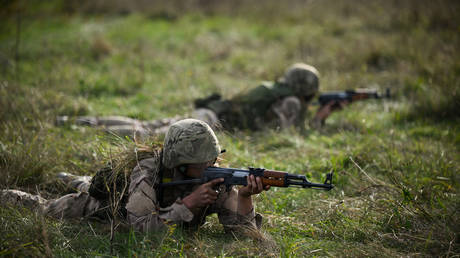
x: 395, y: 162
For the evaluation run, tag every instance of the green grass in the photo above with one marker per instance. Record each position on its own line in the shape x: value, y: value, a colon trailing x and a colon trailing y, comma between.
x: 395, y: 162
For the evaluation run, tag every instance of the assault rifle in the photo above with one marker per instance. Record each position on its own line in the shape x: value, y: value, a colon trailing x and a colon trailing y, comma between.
x: 234, y: 176
x: 351, y: 95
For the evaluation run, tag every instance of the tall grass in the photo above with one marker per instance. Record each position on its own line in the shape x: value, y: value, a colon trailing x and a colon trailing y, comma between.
x: 395, y: 162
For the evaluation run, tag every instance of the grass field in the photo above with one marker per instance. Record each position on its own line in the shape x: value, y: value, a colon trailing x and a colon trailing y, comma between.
x: 396, y: 162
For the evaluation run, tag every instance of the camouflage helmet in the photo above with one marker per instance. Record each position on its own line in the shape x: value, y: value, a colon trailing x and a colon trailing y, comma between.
x: 189, y: 141
x: 302, y: 79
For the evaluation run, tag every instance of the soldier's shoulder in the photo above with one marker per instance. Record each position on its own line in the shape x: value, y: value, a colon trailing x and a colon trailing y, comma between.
x: 146, y: 168
x: 267, y: 84
x: 149, y: 161
x: 263, y: 90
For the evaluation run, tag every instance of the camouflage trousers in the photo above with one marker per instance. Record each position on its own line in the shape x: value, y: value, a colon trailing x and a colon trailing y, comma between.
x: 287, y: 113
x: 70, y: 206
x: 125, y: 126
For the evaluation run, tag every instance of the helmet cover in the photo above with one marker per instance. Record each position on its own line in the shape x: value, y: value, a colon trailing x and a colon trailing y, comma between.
x: 302, y: 79
x: 189, y: 141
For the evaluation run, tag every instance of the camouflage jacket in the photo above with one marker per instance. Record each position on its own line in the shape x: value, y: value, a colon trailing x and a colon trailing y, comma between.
x: 252, y: 109
x: 145, y: 214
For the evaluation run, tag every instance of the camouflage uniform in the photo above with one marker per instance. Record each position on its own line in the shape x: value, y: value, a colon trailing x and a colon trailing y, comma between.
x: 146, y: 214
x: 279, y: 104
x: 272, y: 104
x: 122, y: 126
x: 125, y: 126
x: 268, y: 105
x: 187, y: 141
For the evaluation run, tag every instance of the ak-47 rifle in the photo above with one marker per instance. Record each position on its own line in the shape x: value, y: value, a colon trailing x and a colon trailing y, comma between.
x: 234, y: 176
x: 351, y: 95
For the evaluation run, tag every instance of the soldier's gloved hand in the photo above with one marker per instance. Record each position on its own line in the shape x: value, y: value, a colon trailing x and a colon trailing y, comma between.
x: 203, y: 196
x: 254, y: 186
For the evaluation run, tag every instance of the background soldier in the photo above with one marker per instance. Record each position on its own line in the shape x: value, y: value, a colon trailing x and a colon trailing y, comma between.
x: 280, y: 104
x: 190, y: 146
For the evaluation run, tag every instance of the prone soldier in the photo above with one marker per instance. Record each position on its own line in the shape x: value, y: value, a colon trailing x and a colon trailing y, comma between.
x: 279, y: 104
x: 190, y: 146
